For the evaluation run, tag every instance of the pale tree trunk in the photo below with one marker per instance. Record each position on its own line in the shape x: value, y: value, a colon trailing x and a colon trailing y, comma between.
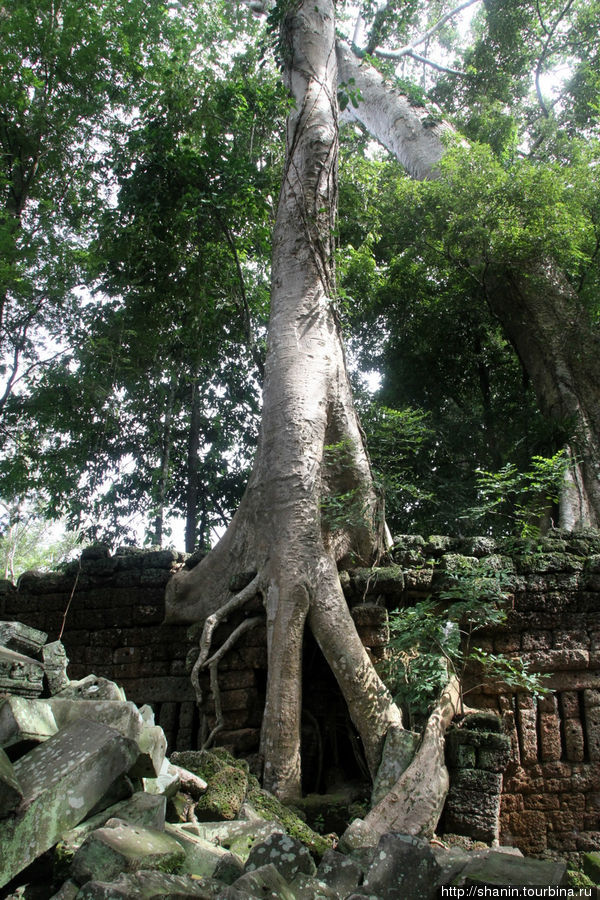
x: 279, y: 531
x: 539, y: 311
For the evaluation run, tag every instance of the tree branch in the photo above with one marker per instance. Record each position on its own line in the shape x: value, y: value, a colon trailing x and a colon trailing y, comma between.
x: 408, y: 48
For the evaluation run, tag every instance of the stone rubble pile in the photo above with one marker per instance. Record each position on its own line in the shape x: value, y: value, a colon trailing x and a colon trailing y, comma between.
x: 86, y: 784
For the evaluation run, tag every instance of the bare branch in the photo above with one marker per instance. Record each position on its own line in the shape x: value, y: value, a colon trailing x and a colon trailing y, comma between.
x: 385, y: 54
x: 422, y: 39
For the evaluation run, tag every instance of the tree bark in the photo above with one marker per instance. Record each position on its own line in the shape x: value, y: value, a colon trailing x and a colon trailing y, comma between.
x: 281, y: 531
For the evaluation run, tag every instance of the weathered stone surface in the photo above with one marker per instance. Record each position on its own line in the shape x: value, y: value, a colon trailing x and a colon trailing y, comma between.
x: 22, y: 638
x: 56, y: 661
x: 139, y: 809
x: 61, y: 780
x: 358, y: 835
x: 264, y: 882
x: 122, y: 715
x: 398, y: 751
x: 238, y: 837
x: 591, y: 866
x: 68, y: 891
x: 120, y: 847
x: 224, y: 795
x: 403, y: 866
x: 93, y: 687
x: 153, y: 749
x: 289, y: 856
x: 11, y: 793
x: 19, y: 674
x: 342, y: 873
x: 201, y: 856
x: 166, y: 782
x: 497, y: 868
x: 152, y: 885
x: 305, y: 887
x: 25, y: 719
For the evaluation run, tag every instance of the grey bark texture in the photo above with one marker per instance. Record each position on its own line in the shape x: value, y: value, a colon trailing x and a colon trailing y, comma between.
x: 280, y: 530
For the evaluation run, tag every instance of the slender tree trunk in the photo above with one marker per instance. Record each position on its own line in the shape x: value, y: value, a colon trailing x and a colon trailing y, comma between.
x: 191, y: 495
x: 165, y: 459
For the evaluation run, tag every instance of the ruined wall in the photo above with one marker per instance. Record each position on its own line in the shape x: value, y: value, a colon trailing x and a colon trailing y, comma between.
x: 114, y: 609
x: 551, y: 787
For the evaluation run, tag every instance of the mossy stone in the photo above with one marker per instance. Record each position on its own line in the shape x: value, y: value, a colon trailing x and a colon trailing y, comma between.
x: 224, y: 795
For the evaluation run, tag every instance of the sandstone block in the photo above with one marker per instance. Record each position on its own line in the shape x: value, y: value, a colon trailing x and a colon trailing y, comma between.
x: 201, y: 856
x: 19, y: 674
x: 339, y: 872
x: 403, y: 866
x: 153, y: 749
x: 11, y: 793
x: 24, y: 719
x: 61, y: 781
x: 22, y: 638
x: 264, y: 882
x: 506, y: 869
x: 93, y: 687
x: 288, y: 855
x: 139, y: 809
x: 120, y: 847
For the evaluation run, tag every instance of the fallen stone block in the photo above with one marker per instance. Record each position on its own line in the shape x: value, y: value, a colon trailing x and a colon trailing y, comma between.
x: 139, y: 809
x: 153, y: 749
x: 120, y: 847
x: 68, y: 891
x: 239, y: 837
x: 498, y: 868
x: 264, y: 882
x: 224, y: 795
x: 339, y: 872
x: 122, y: 715
x: 11, y: 792
x: 25, y: 719
x: 20, y: 674
x: 93, y: 687
x: 56, y: 661
x: 153, y: 885
x: 288, y: 855
x: 22, y: 638
x: 166, y: 782
x: 403, y: 866
x: 61, y: 781
x: 229, y: 868
x: 304, y: 887
x: 201, y: 856
x: 358, y: 835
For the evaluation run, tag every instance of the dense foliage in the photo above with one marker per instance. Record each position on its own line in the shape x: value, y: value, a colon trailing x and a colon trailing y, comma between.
x: 141, y: 155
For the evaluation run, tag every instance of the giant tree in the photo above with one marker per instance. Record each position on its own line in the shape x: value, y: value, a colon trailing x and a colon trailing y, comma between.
x: 310, y: 450
x: 310, y: 446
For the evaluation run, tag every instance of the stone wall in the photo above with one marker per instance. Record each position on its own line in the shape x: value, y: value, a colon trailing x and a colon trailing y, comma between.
x: 114, y: 609
x: 551, y: 787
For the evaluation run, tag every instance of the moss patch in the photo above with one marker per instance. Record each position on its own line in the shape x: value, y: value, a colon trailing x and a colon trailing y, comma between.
x: 224, y: 795
x: 267, y: 806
